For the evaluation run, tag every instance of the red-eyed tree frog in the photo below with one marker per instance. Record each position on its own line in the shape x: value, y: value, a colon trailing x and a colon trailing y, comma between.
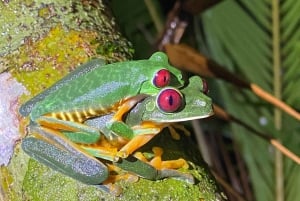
x: 95, y: 90
x: 146, y: 119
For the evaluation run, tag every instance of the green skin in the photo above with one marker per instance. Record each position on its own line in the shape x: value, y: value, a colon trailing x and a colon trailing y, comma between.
x: 112, y: 82
x: 197, y: 106
x: 59, y: 153
x: 90, y: 87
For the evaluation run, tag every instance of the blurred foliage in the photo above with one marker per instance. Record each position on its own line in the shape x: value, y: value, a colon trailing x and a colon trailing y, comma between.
x: 137, y: 24
x: 251, y: 40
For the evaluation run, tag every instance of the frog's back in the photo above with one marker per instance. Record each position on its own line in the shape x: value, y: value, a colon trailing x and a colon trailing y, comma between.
x: 102, y: 87
x: 26, y: 108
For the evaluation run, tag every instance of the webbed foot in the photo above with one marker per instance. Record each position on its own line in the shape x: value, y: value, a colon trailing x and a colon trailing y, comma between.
x: 175, y: 135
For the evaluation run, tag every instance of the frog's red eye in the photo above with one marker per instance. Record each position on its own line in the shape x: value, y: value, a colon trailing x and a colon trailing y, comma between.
x: 161, y: 78
x: 204, y: 86
x: 169, y: 100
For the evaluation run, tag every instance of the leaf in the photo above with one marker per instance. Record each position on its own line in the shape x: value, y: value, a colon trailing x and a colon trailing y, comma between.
x: 259, y: 41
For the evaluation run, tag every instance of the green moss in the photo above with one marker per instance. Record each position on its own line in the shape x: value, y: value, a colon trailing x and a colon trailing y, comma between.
x: 36, y: 184
x: 23, y: 23
x: 145, y: 190
x: 13, y: 175
x: 8, y: 178
x: 110, y: 48
x: 39, y: 64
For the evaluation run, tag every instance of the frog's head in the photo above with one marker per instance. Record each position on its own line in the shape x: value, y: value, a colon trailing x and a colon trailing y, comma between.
x: 162, y: 74
x: 173, y: 105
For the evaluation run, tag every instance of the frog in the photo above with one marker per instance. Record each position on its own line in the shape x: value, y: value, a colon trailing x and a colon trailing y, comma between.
x: 147, y: 118
x: 94, y: 89
x: 155, y: 113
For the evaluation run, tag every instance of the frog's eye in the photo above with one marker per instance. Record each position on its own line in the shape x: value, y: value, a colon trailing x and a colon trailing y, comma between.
x: 169, y: 100
x: 161, y: 78
x: 204, y: 86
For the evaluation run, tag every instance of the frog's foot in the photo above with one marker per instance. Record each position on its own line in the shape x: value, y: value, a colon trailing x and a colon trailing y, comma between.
x: 158, y: 163
x: 168, y: 168
x: 110, y: 186
x: 125, y: 177
x: 113, y: 189
x: 175, y: 135
x: 175, y: 174
x: 145, y: 170
x: 169, y: 164
x: 117, y: 174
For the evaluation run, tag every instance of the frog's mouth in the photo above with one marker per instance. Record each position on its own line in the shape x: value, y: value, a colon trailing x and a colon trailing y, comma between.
x: 188, y: 118
x: 178, y: 117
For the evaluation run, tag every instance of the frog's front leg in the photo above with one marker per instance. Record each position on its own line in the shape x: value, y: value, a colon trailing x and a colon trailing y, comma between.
x: 143, y: 133
x: 54, y: 150
x: 116, y: 124
x: 89, y: 138
x: 139, y: 134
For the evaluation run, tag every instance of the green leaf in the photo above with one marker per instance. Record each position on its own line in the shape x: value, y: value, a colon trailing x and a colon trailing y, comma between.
x: 244, y: 36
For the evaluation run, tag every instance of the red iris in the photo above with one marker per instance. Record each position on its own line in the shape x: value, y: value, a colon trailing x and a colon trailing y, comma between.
x: 161, y: 78
x: 169, y: 100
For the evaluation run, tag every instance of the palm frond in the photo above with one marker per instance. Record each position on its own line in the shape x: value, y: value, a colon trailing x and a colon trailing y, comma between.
x: 243, y: 36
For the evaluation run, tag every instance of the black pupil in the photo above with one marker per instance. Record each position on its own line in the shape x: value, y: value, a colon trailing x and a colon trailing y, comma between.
x: 171, y: 100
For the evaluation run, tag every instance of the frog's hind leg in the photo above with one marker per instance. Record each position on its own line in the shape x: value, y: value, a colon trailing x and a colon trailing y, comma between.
x: 116, y: 174
x: 166, y: 168
x: 76, y: 132
x: 57, y: 152
x: 147, y: 171
x: 102, y: 149
x: 88, y: 138
x: 142, y: 134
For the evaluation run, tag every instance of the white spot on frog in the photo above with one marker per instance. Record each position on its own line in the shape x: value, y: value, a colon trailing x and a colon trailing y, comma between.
x: 201, y: 103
